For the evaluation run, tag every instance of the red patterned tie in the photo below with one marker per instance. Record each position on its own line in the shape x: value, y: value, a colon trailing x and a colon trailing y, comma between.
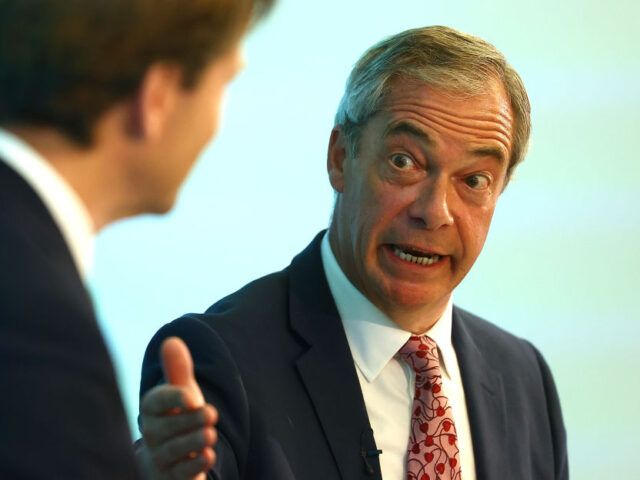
x: 433, y: 442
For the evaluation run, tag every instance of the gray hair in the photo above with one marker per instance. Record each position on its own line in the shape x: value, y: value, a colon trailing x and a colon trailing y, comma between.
x: 442, y: 57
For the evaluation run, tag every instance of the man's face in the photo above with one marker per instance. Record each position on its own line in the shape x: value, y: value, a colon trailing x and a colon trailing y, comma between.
x: 415, y: 205
x: 190, y: 126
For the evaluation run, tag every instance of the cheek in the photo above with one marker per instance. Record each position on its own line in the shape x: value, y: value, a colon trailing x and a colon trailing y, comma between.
x: 360, y: 210
x: 385, y: 213
x: 372, y: 208
x: 206, y: 116
x: 393, y: 203
x: 215, y: 111
x: 473, y: 231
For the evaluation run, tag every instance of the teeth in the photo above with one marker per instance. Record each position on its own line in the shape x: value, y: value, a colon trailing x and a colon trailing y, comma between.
x: 426, y: 260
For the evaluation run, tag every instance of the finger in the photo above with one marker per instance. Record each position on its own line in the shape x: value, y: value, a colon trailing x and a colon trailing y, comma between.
x: 163, y: 399
x: 178, y: 369
x: 210, y: 414
x: 198, y: 465
x: 157, y: 429
x: 181, y: 447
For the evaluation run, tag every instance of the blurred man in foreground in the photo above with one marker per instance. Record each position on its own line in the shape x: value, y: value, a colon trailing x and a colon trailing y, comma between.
x: 104, y: 106
x: 353, y: 362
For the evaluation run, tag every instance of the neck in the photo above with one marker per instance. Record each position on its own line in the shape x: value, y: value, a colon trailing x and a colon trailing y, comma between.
x: 85, y: 169
x: 418, y: 320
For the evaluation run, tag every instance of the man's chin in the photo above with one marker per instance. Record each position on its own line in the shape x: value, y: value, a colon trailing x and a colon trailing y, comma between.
x: 406, y: 299
x: 164, y: 208
x: 160, y: 205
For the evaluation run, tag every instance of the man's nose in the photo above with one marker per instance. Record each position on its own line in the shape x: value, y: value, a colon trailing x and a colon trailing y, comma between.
x: 432, y: 206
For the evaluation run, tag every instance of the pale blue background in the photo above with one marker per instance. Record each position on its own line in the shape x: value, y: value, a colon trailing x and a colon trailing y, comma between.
x: 560, y: 265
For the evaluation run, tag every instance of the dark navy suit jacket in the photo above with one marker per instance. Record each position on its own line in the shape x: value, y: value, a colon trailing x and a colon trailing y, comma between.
x: 274, y: 359
x: 61, y: 415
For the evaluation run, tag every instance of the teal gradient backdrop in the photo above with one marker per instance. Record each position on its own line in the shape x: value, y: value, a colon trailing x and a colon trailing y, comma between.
x: 561, y: 261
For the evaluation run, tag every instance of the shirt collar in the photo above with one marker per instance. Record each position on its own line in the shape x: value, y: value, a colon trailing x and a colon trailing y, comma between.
x: 373, y: 337
x: 65, y: 206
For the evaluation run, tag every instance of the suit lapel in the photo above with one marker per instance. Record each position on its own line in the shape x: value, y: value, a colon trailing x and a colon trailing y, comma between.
x: 327, y: 369
x: 21, y: 207
x: 485, y: 403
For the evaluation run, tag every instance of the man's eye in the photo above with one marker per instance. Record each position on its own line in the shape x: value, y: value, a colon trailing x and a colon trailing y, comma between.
x: 401, y: 161
x: 477, y: 182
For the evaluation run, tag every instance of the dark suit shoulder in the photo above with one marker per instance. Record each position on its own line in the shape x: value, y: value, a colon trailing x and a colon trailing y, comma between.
x: 495, y: 343
x: 246, y: 317
x: 522, y: 366
x: 255, y: 299
x: 526, y: 384
x: 228, y: 325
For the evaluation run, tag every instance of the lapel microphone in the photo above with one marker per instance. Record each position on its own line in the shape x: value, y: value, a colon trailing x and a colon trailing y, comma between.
x: 366, y: 452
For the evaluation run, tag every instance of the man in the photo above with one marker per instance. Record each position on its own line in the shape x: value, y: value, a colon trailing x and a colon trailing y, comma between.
x: 353, y: 362
x: 104, y: 106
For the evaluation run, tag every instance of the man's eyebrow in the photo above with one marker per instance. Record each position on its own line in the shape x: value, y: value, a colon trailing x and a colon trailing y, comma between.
x: 406, y: 128
x: 494, y: 152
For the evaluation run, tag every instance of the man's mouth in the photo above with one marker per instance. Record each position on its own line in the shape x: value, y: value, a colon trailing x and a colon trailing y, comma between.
x: 415, y: 256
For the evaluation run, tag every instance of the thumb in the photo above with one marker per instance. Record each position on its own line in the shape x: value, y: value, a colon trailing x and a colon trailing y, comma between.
x: 178, y: 370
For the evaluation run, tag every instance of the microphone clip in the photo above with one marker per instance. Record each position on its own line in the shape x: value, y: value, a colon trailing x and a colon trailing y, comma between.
x: 366, y: 453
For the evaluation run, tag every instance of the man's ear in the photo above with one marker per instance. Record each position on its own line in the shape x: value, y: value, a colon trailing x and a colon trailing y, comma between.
x: 155, y: 101
x: 336, y: 157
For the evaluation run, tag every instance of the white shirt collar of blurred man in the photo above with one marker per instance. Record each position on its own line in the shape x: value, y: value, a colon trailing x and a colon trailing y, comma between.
x: 63, y: 203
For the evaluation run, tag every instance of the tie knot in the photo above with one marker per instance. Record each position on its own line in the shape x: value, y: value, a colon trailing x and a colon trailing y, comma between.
x: 421, y: 353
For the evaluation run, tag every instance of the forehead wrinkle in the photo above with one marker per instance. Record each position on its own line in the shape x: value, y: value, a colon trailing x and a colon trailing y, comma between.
x: 404, y: 127
x: 491, y: 126
x: 496, y: 117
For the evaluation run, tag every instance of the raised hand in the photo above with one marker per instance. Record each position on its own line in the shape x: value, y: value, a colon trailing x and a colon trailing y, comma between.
x: 177, y: 425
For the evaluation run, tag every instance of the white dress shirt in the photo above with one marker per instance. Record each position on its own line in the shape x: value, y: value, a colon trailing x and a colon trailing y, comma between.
x: 386, y: 380
x: 65, y: 206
